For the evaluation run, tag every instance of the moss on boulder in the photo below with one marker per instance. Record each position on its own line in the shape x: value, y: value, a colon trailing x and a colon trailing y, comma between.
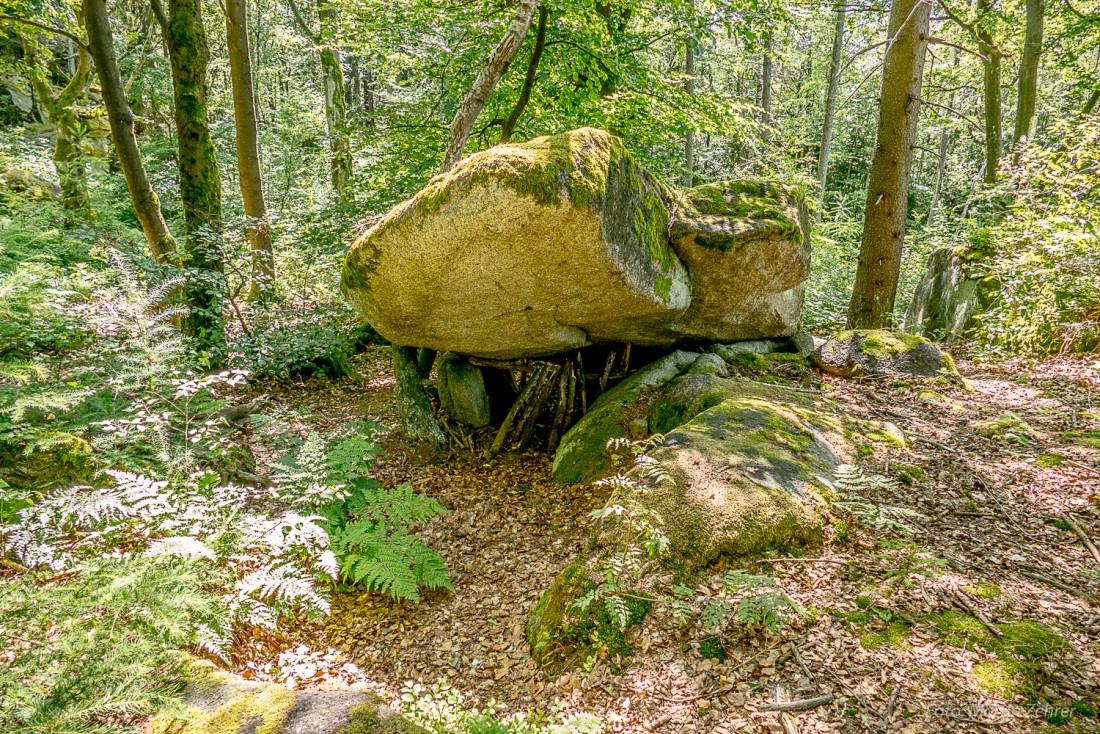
x: 216, y: 702
x: 582, y: 451
x: 950, y: 295
x: 873, y: 352
x: 525, y: 249
x: 750, y: 467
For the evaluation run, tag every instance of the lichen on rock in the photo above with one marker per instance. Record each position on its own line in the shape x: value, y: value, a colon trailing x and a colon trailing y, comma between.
x: 877, y: 352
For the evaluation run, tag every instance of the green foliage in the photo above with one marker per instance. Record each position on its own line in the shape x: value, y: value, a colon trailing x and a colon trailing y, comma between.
x: 750, y: 600
x: 851, y: 483
x: 96, y: 652
x: 1047, y: 251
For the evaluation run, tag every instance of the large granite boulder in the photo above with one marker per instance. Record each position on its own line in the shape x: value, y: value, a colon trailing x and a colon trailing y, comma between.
x: 536, y: 248
x: 877, y: 352
x: 950, y: 295
x: 524, y: 250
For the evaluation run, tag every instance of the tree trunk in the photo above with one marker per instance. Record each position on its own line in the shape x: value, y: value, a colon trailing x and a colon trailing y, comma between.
x: 336, y: 111
x: 508, y: 127
x: 766, y: 89
x: 879, y: 266
x: 486, y: 81
x: 830, y: 97
x: 200, y: 182
x: 412, y: 400
x: 991, y: 92
x: 1029, y: 78
x: 1090, y: 104
x: 689, y: 136
x: 145, y: 201
x: 248, y: 148
x: 67, y: 156
x: 941, y: 163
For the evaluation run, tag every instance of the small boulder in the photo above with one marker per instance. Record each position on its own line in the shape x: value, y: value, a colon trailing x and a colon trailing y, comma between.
x: 876, y: 352
x: 950, y: 295
x: 755, y: 346
x: 19, y: 181
x: 582, y: 451
x: 462, y: 393
x: 709, y: 364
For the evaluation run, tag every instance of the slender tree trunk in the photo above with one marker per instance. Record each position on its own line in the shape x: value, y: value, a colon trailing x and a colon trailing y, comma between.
x: 1090, y: 104
x: 991, y: 93
x: 121, y: 118
x: 879, y: 266
x: 248, y: 148
x: 200, y: 181
x: 508, y: 127
x: 58, y: 105
x: 830, y: 97
x: 766, y: 88
x: 689, y: 136
x: 941, y: 162
x: 486, y: 81
x: 336, y: 110
x: 1029, y: 78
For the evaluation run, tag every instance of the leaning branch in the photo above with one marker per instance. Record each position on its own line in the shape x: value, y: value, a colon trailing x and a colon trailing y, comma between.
x: 945, y: 42
x: 302, y: 25
x: 953, y: 111
x: 48, y: 28
x: 1091, y: 17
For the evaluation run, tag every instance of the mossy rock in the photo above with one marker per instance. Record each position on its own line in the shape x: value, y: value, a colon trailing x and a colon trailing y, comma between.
x: 746, y: 246
x: 750, y: 467
x: 68, y: 462
x: 952, y: 293
x: 582, y: 453
x: 462, y: 393
x: 560, y: 634
x: 877, y: 352
x: 1007, y: 427
x: 216, y: 702
x: 523, y: 250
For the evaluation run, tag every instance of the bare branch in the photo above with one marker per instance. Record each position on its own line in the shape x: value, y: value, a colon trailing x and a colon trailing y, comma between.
x: 945, y: 42
x: 953, y: 111
x: 48, y: 28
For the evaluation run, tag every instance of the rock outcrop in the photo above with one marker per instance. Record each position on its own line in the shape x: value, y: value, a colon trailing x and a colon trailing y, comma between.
x: 876, y: 352
x: 950, y: 294
x: 537, y: 248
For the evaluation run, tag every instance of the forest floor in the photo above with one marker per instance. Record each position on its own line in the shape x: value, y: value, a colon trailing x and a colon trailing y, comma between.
x: 999, y: 475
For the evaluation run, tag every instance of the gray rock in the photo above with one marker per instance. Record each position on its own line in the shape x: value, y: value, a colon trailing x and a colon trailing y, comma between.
x: 238, y: 706
x: 710, y: 364
x: 462, y: 393
x: 757, y: 346
x: 582, y: 451
x: 24, y: 182
x: 875, y: 352
x: 951, y: 294
x: 805, y: 343
x: 537, y: 248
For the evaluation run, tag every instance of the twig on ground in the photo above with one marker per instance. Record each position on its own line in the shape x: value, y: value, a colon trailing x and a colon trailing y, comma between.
x: 806, y: 560
x: 786, y: 721
x: 960, y: 600
x: 892, y: 704
x: 1084, y: 537
x: 804, y: 704
x: 862, y: 704
x: 801, y: 663
x: 1055, y: 583
x: 10, y: 564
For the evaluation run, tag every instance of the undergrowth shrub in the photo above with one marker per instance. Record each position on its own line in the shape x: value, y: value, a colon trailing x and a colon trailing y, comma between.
x: 98, y: 651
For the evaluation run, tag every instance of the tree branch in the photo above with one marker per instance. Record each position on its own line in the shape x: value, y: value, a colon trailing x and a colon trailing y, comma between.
x: 1091, y: 17
x: 162, y: 17
x: 48, y: 28
x: 945, y: 42
x: 302, y: 25
x: 953, y: 111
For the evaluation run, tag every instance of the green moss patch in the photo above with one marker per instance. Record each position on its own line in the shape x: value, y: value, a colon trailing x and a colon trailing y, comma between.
x: 1019, y: 651
x: 1007, y: 427
x: 877, y: 627
x: 1046, y: 461
x: 261, y: 710
x: 1090, y: 439
x: 766, y: 204
x: 984, y: 589
x: 881, y: 343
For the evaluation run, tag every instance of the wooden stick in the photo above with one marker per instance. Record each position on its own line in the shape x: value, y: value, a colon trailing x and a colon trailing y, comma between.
x: 1084, y: 538
x: 786, y: 721
x: 607, y: 371
x: 526, y: 428
x: 582, y: 381
x: 960, y: 600
x: 804, y: 704
x: 1055, y: 583
x: 801, y: 664
x: 626, y: 357
x: 559, y: 410
x: 571, y: 398
x: 806, y: 560
x: 506, y: 425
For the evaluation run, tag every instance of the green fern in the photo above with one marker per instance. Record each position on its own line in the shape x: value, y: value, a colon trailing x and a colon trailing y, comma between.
x: 388, y: 560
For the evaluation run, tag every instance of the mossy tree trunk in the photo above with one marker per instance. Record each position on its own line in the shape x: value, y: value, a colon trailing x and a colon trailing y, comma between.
x: 879, y: 265
x: 248, y: 148
x: 200, y: 181
x: 1029, y: 77
x: 830, y: 98
x: 67, y: 127
x: 991, y: 90
x: 412, y: 401
x: 121, y: 118
x: 332, y: 75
